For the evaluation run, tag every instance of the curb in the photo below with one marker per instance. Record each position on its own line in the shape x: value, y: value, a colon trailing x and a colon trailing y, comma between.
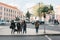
x: 29, y: 35
x: 20, y: 35
x: 52, y: 34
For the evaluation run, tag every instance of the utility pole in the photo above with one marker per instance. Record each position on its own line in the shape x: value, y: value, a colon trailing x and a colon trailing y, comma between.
x: 39, y: 11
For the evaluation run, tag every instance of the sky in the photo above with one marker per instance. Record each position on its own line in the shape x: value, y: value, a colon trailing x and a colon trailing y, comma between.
x: 25, y: 4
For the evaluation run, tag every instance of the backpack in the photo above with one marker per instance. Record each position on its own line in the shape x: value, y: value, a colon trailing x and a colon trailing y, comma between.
x: 36, y: 24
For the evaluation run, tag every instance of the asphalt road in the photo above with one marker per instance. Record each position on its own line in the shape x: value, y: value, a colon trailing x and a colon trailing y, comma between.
x: 47, y: 26
x: 54, y: 37
x: 23, y: 38
x: 45, y: 37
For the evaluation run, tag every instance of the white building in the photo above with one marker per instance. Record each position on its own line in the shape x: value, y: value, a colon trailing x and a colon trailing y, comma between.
x: 8, y: 12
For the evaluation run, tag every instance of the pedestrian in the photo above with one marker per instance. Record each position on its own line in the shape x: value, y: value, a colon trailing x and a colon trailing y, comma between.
x: 12, y: 26
x: 24, y: 27
x: 36, y: 26
x: 18, y: 27
x: 21, y: 24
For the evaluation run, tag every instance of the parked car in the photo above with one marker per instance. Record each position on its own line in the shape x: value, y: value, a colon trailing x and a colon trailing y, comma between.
x: 33, y: 22
x: 2, y: 22
x: 27, y: 21
x: 40, y: 22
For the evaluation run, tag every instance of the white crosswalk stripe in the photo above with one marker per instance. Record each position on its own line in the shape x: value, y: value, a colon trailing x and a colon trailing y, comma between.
x: 48, y: 37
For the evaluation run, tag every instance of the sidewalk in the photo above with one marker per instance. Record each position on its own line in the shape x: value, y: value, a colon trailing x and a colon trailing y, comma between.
x: 7, y: 31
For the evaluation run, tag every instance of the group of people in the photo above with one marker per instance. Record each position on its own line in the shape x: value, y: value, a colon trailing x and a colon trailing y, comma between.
x: 18, y: 27
x: 21, y: 26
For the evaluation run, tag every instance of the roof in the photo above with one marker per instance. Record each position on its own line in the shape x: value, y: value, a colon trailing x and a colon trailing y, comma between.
x: 14, y: 7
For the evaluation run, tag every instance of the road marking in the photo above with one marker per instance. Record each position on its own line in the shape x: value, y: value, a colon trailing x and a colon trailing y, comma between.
x: 51, y: 25
x: 48, y: 37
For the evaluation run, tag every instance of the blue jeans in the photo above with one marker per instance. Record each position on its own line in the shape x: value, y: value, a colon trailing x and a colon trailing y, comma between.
x: 36, y: 29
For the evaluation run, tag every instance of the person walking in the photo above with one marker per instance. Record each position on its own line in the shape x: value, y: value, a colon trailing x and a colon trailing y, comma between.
x: 24, y: 27
x: 18, y: 27
x: 36, y: 26
x: 12, y: 26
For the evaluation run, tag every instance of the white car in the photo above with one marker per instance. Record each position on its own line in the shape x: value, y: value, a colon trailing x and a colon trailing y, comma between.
x: 2, y: 22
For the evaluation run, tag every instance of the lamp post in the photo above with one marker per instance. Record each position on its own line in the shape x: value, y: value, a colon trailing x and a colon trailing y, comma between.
x: 39, y: 11
x: 44, y: 22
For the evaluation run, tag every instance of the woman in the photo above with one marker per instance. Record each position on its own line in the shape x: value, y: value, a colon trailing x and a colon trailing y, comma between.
x: 18, y: 27
x: 36, y: 26
x: 12, y: 26
x: 24, y: 27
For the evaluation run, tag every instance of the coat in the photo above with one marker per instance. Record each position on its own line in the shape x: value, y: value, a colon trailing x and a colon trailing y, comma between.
x: 18, y: 26
x: 37, y: 25
x: 12, y: 26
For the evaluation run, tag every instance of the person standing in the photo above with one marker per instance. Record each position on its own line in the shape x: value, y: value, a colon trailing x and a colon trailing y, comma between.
x: 12, y: 26
x: 18, y: 27
x: 24, y: 27
x: 36, y: 26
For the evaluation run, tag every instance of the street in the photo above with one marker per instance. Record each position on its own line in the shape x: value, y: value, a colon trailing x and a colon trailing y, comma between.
x: 47, y: 26
x: 9, y: 37
x: 41, y: 27
x: 50, y: 27
x: 23, y: 38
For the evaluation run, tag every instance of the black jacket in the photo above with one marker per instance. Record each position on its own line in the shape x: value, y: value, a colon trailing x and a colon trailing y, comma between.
x: 18, y: 25
x: 13, y: 25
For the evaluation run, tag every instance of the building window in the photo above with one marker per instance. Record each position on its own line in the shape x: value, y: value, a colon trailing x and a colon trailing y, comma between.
x: 11, y: 11
x: 4, y: 9
x: 15, y: 11
x: 0, y: 7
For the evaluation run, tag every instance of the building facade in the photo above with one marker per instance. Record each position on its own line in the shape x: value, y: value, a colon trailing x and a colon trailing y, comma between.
x: 38, y: 16
x: 57, y: 12
x: 8, y: 12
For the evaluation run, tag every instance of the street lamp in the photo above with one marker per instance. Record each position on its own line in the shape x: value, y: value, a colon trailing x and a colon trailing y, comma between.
x: 44, y: 17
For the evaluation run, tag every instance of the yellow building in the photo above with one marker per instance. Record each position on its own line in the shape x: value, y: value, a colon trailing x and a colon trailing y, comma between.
x: 8, y: 12
x: 35, y: 8
x: 34, y: 11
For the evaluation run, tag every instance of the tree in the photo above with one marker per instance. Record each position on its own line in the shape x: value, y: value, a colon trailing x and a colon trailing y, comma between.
x: 17, y: 19
x: 51, y: 7
x: 45, y: 10
x: 39, y: 12
x: 28, y: 14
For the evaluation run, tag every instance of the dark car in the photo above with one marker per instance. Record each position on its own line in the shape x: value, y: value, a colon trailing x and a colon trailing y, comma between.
x: 33, y: 22
x: 41, y: 22
x: 27, y: 21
